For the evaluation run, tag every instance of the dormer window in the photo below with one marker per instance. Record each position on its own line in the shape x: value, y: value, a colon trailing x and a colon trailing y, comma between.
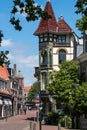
x: 62, y: 39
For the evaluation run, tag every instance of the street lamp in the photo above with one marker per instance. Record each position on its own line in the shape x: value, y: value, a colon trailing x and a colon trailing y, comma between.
x: 38, y: 103
x: 40, y: 114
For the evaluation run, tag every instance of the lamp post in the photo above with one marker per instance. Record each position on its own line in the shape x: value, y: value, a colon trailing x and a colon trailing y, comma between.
x: 38, y: 103
x: 40, y: 114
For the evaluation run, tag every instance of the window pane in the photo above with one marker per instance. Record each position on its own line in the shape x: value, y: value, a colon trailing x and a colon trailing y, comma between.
x: 61, y: 39
x: 62, y: 56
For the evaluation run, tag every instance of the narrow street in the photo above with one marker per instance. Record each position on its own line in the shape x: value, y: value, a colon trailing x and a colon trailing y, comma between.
x: 19, y: 122
x: 22, y: 122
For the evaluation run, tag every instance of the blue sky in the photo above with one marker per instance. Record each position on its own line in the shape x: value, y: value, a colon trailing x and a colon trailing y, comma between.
x: 23, y: 46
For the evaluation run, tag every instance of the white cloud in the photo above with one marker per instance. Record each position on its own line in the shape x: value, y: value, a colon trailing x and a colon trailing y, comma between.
x: 30, y: 61
x: 6, y: 43
x: 17, y: 55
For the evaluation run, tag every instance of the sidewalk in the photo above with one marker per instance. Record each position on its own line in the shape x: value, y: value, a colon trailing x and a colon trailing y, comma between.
x: 44, y: 127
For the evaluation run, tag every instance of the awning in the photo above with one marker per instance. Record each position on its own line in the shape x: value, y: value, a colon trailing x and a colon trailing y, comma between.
x: 1, y: 102
x: 6, y: 102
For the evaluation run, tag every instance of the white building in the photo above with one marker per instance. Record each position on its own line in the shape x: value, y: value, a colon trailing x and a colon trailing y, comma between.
x: 57, y: 42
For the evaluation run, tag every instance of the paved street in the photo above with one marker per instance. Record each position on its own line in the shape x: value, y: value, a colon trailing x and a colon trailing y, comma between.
x: 22, y: 122
x: 19, y: 122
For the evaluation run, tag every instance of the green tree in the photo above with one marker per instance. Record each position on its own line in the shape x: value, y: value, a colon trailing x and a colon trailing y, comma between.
x: 4, y: 58
x: 81, y: 6
x: 64, y: 80
x: 63, y: 83
x: 31, y: 10
x: 33, y: 91
x: 71, y: 96
x: 3, y: 54
x: 81, y: 98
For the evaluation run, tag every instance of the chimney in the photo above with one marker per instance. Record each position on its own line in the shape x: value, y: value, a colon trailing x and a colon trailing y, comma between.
x: 14, y: 69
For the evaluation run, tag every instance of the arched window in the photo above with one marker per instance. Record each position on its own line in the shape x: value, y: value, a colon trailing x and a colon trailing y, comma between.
x: 62, y: 56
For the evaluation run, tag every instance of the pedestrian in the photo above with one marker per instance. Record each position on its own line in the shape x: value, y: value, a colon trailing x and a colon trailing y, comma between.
x: 25, y: 109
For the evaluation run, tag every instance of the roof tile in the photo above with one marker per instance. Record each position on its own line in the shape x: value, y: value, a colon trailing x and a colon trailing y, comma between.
x: 51, y: 25
x: 26, y: 88
x: 63, y: 26
x: 47, y: 25
x: 4, y: 72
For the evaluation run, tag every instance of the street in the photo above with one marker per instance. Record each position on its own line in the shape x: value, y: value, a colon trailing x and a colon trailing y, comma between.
x: 19, y: 122
x: 22, y: 122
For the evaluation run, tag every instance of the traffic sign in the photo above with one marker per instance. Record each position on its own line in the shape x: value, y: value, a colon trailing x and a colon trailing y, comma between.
x: 37, y: 99
x: 37, y: 96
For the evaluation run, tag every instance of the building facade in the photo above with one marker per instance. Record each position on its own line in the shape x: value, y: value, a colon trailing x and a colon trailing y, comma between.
x: 57, y: 43
x: 25, y: 93
x: 11, y: 91
x: 5, y: 93
x: 16, y: 85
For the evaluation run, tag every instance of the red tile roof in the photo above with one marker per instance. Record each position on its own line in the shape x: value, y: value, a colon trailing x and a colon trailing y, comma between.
x: 63, y: 26
x: 47, y: 25
x: 51, y: 25
x: 4, y: 72
x: 26, y: 88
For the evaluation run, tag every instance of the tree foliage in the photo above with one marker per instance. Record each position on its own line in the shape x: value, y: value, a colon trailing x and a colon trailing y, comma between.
x: 31, y: 10
x: 80, y: 98
x: 81, y: 6
x: 63, y: 81
x: 3, y: 54
x: 65, y: 84
x: 33, y: 91
x: 4, y: 58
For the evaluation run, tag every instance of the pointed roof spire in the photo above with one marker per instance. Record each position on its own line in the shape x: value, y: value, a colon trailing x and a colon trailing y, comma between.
x: 63, y: 26
x: 47, y: 25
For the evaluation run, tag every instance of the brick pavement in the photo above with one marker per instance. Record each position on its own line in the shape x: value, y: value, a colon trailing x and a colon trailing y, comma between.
x: 46, y: 127
x: 24, y: 119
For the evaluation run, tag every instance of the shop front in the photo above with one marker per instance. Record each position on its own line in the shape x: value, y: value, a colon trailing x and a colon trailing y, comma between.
x: 5, y: 107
